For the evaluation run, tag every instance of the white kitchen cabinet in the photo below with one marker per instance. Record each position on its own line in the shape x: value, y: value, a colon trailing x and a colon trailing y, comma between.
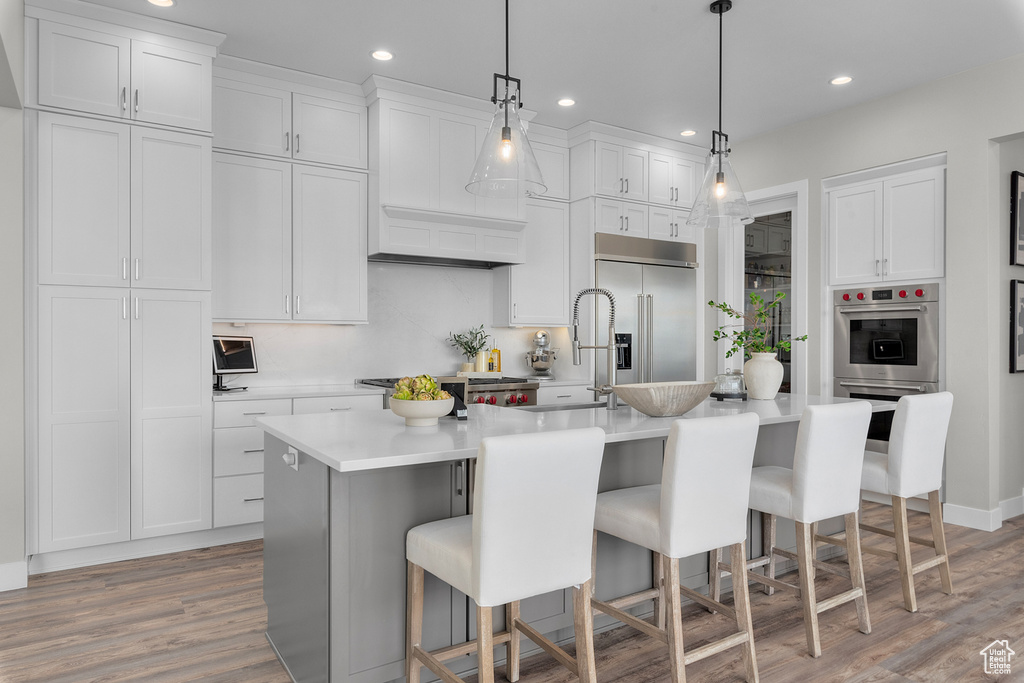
x: 620, y: 218
x: 171, y: 210
x: 554, y: 168
x: 112, y: 75
x: 668, y: 224
x: 83, y: 208
x: 172, y: 414
x: 564, y: 394
x: 238, y: 499
x: 672, y: 180
x: 290, y: 242
x: 755, y: 239
x: 620, y: 171
x: 536, y: 292
x: 84, y: 415
x: 267, y: 120
x: 780, y: 240
x: 888, y: 230
x: 329, y: 404
x: 124, y: 415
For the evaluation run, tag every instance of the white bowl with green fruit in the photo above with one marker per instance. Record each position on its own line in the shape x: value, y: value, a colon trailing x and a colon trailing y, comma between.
x: 420, y: 401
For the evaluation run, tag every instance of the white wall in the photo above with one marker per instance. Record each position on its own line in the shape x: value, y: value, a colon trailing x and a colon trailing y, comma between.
x: 960, y: 115
x: 412, y: 310
x: 12, y: 77
x: 1011, y: 386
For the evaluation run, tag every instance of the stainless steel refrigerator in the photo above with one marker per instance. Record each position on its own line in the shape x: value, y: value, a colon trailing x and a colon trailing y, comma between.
x: 655, y: 288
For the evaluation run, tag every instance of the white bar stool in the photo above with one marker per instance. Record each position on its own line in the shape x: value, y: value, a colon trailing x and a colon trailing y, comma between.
x: 529, y: 534
x: 912, y: 467
x: 700, y: 504
x: 823, y: 483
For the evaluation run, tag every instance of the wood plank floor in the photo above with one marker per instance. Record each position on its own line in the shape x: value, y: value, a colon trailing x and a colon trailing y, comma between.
x: 199, y: 615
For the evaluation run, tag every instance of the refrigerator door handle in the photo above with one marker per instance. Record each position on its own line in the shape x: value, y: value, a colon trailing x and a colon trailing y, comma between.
x: 641, y: 341
x: 649, y: 338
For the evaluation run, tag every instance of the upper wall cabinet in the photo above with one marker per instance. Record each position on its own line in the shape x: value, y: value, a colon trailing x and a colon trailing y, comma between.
x: 672, y: 180
x: 256, y: 118
x: 620, y: 171
x: 554, y: 168
x: 888, y: 230
x: 121, y: 205
x: 100, y: 73
x: 537, y: 291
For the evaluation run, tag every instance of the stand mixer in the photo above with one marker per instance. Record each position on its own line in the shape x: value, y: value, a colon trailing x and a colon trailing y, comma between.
x: 542, y: 357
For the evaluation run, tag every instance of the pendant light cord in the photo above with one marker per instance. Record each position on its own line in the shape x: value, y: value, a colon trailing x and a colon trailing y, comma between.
x: 720, y: 16
x: 506, y: 65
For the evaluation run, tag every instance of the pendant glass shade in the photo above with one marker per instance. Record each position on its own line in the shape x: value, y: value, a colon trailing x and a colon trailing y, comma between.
x: 506, y: 167
x: 720, y: 200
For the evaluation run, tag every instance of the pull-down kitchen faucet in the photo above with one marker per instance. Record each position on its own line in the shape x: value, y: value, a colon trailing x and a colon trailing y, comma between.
x: 610, y: 347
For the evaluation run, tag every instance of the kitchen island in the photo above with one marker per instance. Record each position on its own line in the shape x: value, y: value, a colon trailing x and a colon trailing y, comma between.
x: 342, y: 489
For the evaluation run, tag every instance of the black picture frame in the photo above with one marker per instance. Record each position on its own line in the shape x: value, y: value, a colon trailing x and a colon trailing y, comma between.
x: 1016, y: 325
x: 1017, y: 218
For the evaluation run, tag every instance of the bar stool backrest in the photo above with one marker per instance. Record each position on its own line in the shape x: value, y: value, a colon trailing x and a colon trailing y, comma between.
x: 828, y: 460
x: 705, y: 483
x: 917, y: 444
x: 533, y: 513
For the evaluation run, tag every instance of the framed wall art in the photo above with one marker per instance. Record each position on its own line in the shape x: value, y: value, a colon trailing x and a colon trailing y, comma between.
x: 1016, y: 325
x: 1017, y: 218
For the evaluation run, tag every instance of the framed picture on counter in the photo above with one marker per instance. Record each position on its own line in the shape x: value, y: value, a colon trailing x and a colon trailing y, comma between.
x: 1017, y: 218
x: 1016, y: 325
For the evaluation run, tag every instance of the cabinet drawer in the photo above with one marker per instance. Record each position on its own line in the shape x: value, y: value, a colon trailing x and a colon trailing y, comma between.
x: 242, y: 413
x: 237, y: 500
x: 327, y: 404
x: 576, y: 393
x: 237, y: 450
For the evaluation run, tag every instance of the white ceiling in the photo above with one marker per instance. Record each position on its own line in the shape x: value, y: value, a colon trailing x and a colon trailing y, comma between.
x: 648, y: 65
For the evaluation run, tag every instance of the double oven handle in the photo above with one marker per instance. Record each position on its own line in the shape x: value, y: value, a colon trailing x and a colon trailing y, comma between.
x: 868, y: 385
x: 881, y: 309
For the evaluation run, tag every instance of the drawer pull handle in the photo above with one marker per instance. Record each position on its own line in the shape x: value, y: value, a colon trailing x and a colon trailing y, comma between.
x: 251, y: 500
x: 563, y: 396
x: 259, y: 412
x: 253, y: 450
x: 345, y: 408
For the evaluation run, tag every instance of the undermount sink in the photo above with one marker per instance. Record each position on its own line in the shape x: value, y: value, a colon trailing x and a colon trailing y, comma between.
x: 566, y: 406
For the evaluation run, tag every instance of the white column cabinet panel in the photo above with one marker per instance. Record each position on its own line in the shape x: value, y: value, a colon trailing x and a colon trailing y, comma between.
x: 913, y: 210
x: 83, y: 208
x: 172, y: 413
x: 252, y: 118
x: 83, y: 70
x: 328, y: 244
x: 252, y: 242
x: 409, y: 147
x: 171, y: 210
x: 536, y: 292
x: 855, y: 234
x: 328, y: 132
x: 171, y: 87
x: 84, y: 417
x: 460, y: 140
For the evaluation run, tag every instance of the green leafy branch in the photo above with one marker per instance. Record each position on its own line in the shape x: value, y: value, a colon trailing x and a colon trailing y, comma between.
x: 471, y: 342
x: 753, y: 335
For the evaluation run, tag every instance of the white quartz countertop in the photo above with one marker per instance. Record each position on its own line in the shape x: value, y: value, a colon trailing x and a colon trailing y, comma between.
x: 356, y: 441
x: 309, y: 391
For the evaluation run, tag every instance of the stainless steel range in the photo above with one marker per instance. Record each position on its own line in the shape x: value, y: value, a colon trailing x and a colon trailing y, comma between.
x: 501, y: 391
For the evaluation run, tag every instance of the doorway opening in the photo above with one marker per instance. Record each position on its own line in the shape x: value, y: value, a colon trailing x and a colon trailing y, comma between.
x: 768, y: 271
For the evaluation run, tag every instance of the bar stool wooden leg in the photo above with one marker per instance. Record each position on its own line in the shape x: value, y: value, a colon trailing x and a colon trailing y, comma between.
x: 939, y: 536
x: 512, y: 647
x: 768, y: 528
x: 413, y: 622
x: 593, y: 565
x: 803, y: 551
x: 814, y: 548
x: 899, y: 518
x: 714, y: 576
x: 741, y: 603
x: 583, y: 616
x: 674, y: 619
x: 853, y: 557
x: 658, y: 581
x: 485, y: 644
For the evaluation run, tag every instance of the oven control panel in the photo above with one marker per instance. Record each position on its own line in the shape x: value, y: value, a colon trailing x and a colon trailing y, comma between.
x: 888, y: 294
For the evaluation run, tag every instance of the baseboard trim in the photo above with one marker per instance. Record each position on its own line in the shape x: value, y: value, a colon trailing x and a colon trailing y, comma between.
x: 1012, y: 507
x: 13, y: 575
x: 144, y: 547
x: 973, y: 518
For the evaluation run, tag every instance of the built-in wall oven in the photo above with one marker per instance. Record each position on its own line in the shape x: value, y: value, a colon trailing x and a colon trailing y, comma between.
x: 886, y: 344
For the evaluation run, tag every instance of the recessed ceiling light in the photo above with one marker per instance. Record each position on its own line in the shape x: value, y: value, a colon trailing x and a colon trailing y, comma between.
x: 162, y: 3
x: 381, y: 55
x: 566, y: 102
x: 841, y: 80
x: 688, y: 133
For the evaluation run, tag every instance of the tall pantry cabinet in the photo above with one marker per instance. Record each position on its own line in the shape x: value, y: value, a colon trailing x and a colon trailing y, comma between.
x: 119, y: 253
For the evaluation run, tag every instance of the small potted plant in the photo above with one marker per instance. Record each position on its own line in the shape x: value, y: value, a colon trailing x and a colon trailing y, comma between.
x: 472, y: 344
x: 755, y: 339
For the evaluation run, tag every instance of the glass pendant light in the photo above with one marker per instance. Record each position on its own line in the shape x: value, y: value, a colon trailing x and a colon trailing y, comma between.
x: 720, y: 199
x: 506, y: 166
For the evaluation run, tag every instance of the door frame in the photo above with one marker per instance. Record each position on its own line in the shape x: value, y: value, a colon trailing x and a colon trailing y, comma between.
x: 792, y: 197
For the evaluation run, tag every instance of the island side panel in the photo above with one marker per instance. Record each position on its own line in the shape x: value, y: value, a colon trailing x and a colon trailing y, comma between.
x: 295, y: 561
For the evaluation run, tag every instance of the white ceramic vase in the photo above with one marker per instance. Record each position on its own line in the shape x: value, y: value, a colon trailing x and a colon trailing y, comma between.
x: 763, y: 376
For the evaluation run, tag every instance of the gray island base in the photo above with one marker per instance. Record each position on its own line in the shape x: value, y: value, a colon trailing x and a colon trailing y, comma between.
x: 342, y: 489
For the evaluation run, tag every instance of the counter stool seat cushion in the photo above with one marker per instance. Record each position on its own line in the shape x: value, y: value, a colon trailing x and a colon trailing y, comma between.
x: 445, y: 549
x: 633, y: 514
x: 771, y: 490
x: 875, y: 476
